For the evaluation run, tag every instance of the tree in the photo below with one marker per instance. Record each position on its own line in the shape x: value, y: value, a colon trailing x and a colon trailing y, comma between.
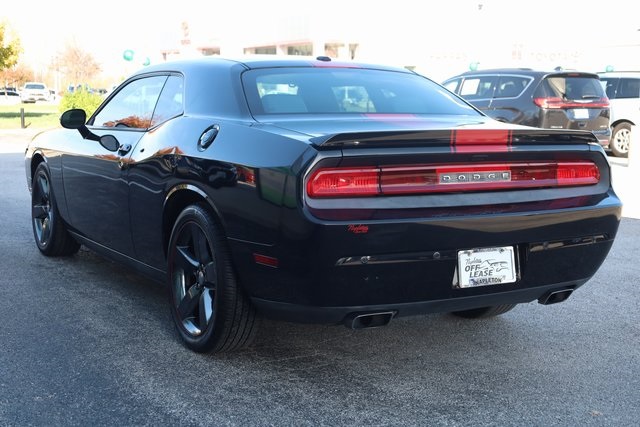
x: 77, y: 65
x: 16, y: 76
x: 9, y: 49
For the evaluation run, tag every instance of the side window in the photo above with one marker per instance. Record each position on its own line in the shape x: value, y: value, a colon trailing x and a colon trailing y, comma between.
x: 452, y: 85
x: 609, y: 86
x: 511, y: 86
x: 133, y: 105
x: 478, y: 87
x: 170, y: 104
x: 629, y: 88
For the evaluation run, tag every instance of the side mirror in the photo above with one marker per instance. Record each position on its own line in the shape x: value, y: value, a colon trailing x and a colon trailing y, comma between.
x: 76, y: 119
x: 109, y: 142
x: 73, y: 119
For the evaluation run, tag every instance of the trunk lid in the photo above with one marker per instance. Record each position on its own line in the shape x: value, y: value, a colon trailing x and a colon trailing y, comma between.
x: 405, y: 130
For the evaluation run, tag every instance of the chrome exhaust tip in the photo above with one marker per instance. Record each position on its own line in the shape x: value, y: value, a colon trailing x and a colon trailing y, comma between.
x: 555, y: 297
x: 369, y: 320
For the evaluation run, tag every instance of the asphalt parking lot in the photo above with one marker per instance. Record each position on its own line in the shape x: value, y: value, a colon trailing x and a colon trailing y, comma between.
x: 85, y: 342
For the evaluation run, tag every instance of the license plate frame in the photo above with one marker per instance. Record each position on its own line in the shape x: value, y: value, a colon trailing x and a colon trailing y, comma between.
x: 489, y: 266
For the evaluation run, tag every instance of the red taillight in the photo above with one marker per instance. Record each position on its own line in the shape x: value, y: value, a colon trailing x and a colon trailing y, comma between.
x: 425, y: 179
x: 553, y: 102
x: 344, y: 182
x: 563, y: 174
x: 550, y: 102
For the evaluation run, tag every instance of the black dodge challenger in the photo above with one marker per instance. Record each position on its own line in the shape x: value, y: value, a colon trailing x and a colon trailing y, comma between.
x: 312, y: 190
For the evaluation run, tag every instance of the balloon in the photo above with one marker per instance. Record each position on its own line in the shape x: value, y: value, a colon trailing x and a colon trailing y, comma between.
x: 146, y: 61
x: 473, y: 66
x: 128, y: 55
x: 609, y: 68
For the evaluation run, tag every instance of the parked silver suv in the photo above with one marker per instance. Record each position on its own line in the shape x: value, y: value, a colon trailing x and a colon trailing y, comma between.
x: 623, y: 90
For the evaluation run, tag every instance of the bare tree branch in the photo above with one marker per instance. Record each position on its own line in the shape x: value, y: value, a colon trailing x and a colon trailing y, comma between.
x: 77, y: 65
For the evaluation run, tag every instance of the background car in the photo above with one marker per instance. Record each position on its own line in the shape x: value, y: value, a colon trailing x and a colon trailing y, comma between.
x: 34, y: 91
x: 623, y: 90
x: 251, y: 188
x: 553, y: 100
x: 9, y: 97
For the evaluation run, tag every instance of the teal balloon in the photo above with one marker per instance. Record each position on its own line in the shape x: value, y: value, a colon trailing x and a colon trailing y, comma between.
x: 128, y: 55
x: 146, y: 62
x: 473, y: 66
x: 609, y: 68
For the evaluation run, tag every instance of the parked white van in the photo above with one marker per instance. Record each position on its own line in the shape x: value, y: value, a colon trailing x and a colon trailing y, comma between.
x: 623, y: 90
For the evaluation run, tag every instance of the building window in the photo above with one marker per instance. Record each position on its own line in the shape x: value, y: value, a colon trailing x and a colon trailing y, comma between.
x: 301, y: 49
x: 262, y: 50
x: 353, y: 47
x: 332, y: 50
x: 209, y: 51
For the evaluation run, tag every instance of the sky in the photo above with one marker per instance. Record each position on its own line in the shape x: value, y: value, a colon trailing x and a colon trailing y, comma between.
x: 401, y: 28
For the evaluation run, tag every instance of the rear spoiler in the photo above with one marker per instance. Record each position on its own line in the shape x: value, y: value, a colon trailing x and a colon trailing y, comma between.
x: 458, y: 139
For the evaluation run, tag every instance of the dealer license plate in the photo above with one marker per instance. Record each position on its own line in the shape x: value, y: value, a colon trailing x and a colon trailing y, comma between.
x: 486, y: 266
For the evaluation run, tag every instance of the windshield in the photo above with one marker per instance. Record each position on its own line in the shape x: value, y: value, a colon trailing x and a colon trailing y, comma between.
x: 347, y: 91
x: 34, y: 86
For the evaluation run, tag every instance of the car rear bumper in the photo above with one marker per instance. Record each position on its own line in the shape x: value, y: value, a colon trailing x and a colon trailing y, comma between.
x: 341, y: 314
x: 409, y: 267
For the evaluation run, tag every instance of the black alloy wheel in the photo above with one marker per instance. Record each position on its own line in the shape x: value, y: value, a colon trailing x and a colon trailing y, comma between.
x: 210, y: 313
x: 50, y: 233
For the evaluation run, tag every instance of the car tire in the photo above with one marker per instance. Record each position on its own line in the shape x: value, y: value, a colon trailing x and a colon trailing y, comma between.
x: 49, y: 230
x: 484, y: 312
x: 620, y: 139
x: 209, y: 309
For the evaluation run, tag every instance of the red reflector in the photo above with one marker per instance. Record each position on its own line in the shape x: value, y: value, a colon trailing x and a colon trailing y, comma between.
x: 425, y: 179
x: 265, y: 260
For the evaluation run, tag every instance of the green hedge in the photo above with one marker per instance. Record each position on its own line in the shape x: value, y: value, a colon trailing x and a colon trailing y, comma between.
x: 89, y: 102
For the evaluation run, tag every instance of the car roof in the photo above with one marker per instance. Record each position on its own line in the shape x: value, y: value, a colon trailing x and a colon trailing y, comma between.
x: 263, y: 61
x: 524, y: 71
x: 606, y: 74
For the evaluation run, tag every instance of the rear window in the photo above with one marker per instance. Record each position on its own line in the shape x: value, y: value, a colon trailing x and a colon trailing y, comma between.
x: 570, y: 88
x: 34, y: 86
x: 346, y: 91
